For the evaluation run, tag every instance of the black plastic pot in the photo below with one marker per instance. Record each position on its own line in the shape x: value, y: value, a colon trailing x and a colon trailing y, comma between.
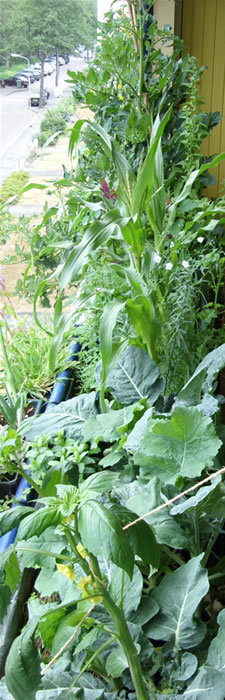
x: 8, y: 487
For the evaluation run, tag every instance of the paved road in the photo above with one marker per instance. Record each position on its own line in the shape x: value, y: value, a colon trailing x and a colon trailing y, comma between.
x: 20, y: 125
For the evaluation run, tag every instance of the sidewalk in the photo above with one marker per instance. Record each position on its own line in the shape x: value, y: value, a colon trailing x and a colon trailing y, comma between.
x: 44, y: 169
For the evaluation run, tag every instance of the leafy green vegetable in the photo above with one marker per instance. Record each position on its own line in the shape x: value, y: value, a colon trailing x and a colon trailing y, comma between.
x: 11, y: 518
x: 100, y: 531
x: 135, y: 376
x: 166, y: 529
x: 204, y: 375
x: 187, y: 441
x: 178, y: 596
x: 37, y: 522
x: 70, y: 415
x: 22, y: 672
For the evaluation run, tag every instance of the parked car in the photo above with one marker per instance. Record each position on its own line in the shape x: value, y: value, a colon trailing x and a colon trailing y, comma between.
x: 25, y: 74
x: 36, y: 73
x: 48, y: 69
x: 15, y: 80
x: 34, y: 100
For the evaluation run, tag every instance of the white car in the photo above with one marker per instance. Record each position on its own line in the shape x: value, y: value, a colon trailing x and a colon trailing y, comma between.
x: 48, y: 70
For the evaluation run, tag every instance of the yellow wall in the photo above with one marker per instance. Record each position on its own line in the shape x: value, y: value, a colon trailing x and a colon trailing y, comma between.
x: 203, y: 31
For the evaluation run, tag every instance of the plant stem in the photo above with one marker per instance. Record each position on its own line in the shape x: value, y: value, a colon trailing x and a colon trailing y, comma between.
x: 73, y: 541
x: 197, y: 535
x: 27, y: 476
x: 10, y: 376
x: 141, y: 69
x: 123, y: 635
x: 173, y: 556
x: 102, y: 398
x: 209, y: 547
x: 89, y: 661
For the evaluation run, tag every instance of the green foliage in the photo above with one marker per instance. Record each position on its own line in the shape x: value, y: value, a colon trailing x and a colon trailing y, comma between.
x: 23, y: 665
x: 178, y: 596
x: 126, y: 539
x: 28, y: 356
x: 13, y: 185
x: 52, y: 123
x: 127, y: 85
x: 31, y: 29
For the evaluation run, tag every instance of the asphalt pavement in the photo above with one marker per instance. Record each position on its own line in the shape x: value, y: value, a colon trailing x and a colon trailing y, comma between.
x: 20, y: 125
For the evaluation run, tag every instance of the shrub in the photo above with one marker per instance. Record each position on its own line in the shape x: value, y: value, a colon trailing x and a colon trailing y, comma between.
x: 13, y: 184
x: 55, y: 120
x: 44, y: 136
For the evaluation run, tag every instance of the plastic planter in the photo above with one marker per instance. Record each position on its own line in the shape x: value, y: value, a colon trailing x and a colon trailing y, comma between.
x: 14, y: 619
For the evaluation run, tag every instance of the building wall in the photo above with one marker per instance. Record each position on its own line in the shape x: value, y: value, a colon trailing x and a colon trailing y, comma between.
x: 164, y: 12
x: 203, y: 31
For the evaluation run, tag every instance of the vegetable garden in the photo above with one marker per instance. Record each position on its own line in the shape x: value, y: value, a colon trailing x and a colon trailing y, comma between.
x: 123, y: 529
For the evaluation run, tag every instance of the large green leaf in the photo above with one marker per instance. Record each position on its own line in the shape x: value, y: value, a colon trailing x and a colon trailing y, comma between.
x: 5, y: 597
x: 99, y: 482
x: 208, y: 499
x: 108, y: 426
x: 97, y: 235
x: 146, y: 173
x: 205, y: 374
x: 69, y: 692
x: 178, y: 596
x: 125, y: 593
x: 49, y: 582
x: 141, y: 536
x: 133, y: 441
x: 188, y: 186
x: 22, y: 671
x: 37, y: 552
x: 102, y: 534
x: 167, y: 530
x: 9, y: 578
x: 4, y: 693
x: 144, y: 316
x: 37, y: 522
x: 11, y: 518
x: 186, y: 441
x: 134, y: 377
x: 107, y: 325
x: 116, y: 662
x: 70, y: 415
x: 97, y: 130
x: 216, y: 653
x: 209, y: 684
x: 66, y: 627
x: 12, y: 570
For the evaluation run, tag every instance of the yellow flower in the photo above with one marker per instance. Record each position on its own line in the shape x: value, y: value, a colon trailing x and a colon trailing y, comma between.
x: 81, y: 551
x: 120, y: 86
x: 88, y: 587
x: 121, y: 97
x: 66, y: 571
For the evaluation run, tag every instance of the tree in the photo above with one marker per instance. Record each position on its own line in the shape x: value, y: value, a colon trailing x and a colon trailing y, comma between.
x: 48, y: 26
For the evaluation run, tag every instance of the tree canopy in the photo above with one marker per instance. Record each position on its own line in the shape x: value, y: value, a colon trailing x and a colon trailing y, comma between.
x: 28, y: 27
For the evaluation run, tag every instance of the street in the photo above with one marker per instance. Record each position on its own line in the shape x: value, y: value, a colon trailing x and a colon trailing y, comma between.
x: 20, y: 124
